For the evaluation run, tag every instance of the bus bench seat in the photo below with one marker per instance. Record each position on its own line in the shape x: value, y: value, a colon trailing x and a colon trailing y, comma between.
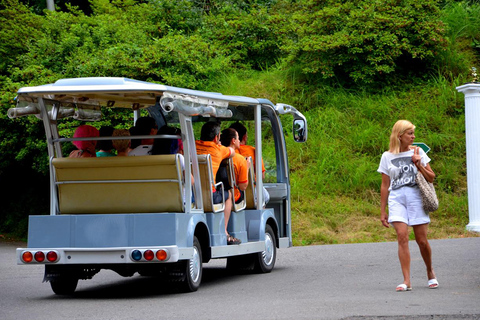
x: 207, y: 181
x: 143, y: 184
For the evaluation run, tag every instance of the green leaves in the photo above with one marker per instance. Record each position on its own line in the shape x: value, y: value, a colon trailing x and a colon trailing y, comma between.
x: 364, y: 41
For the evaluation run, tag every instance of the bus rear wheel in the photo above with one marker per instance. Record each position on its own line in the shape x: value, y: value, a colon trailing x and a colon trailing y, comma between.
x: 64, y: 285
x: 192, y: 269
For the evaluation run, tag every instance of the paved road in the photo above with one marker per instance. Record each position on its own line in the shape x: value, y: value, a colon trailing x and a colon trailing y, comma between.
x: 355, y: 281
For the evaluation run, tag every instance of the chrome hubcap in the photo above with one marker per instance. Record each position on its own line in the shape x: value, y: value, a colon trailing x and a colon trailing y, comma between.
x: 268, y: 253
x: 194, y: 267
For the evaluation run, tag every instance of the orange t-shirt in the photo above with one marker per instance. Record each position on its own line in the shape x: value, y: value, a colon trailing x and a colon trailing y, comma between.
x: 241, y: 172
x: 249, y: 151
x: 216, y: 151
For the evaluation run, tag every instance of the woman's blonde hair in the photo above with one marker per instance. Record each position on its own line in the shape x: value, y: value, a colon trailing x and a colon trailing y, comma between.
x: 121, y: 145
x: 398, y: 129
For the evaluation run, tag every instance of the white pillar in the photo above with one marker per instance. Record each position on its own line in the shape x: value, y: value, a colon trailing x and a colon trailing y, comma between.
x: 472, y: 133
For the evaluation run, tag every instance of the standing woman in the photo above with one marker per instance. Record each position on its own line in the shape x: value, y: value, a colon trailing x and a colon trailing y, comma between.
x: 398, y: 167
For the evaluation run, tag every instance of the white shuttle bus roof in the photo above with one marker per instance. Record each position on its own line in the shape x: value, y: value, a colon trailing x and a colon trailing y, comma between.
x: 120, y: 92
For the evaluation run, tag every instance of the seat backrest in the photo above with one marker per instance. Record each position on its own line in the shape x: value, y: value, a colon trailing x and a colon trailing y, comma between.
x: 233, y: 182
x: 143, y: 184
x: 207, y: 182
x: 250, y: 191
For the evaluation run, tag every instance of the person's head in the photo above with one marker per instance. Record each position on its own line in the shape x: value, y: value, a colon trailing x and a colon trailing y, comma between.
x: 105, y: 145
x: 146, y: 126
x: 210, y: 131
x: 85, y: 131
x: 134, y: 142
x: 242, y: 131
x: 402, y: 131
x: 123, y: 144
x: 166, y: 146
x: 229, y: 137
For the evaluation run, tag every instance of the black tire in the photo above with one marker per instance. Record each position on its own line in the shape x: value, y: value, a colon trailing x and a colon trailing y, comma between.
x: 193, y: 269
x: 265, y: 261
x: 64, y: 285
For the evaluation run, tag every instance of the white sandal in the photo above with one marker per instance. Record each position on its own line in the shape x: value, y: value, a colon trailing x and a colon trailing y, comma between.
x: 433, y: 283
x: 403, y: 287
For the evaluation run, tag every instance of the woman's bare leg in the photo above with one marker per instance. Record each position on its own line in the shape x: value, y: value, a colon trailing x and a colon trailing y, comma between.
x: 403, y: 250
x: 425, y: 250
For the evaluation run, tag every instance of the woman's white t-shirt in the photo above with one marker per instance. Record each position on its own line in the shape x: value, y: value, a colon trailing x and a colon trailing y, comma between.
x: 400, y: 168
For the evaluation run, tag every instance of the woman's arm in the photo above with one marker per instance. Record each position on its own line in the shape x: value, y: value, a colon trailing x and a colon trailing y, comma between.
x: 384, y: 199
x: 427, y: 170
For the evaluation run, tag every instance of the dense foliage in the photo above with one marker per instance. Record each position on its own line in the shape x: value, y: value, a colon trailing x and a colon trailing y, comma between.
x: 352, y: 66
x: 363, y: 40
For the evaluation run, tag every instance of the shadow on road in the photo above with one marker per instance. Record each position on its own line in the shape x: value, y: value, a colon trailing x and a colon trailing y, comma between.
x: 149, y: 286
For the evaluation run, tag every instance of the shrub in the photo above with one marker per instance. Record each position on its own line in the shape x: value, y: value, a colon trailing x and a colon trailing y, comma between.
x: 364, y: 41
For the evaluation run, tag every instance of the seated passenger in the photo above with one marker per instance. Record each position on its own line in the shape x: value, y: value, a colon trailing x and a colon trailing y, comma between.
x: 105, y: 146
x: 229, y: 138
x: 122, y: 146
x: 143, y: 127
x: 170, y: 146
x: 209, y: 143
x: 249, y: 151
x: 86, y: 149
x: 135, y: 142
x: 166, y: 146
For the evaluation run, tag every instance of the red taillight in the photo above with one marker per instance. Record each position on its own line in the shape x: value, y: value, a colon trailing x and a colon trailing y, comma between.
x: 27, y: 256
x: 161, y: 255
x: 39, y: 256
x: 148, y: 255
x: 52, y: 256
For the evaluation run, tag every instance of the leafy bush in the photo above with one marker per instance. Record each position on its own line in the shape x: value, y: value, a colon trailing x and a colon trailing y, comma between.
x: 364, y: 41
x: 19, y: 27
x: 249, y: 37
x: 462, y: 25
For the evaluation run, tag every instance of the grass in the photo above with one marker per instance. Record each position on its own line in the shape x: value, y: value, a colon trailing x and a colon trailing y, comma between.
x: 335, y: 185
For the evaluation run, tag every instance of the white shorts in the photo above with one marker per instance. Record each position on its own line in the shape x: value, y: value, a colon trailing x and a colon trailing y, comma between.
x: 405, y: 205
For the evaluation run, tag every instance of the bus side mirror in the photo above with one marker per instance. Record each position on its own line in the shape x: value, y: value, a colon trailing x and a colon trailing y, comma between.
x: 299, y: 130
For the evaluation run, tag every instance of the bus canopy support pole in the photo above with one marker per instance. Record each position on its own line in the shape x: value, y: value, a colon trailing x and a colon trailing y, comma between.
x: 258, y: 156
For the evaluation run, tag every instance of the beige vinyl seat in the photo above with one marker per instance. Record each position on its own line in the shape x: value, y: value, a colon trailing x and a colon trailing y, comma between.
x: 231, y: 178
x: 143, y: 184
x: 250, y: 202
x: 207, y: 181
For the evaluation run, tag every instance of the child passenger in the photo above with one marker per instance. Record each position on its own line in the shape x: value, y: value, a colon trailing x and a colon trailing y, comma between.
x: 123, y: 145
x: 105, y: 146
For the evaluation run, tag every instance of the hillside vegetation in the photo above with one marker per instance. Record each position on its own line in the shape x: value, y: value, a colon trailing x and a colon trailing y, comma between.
x: 352, y: 68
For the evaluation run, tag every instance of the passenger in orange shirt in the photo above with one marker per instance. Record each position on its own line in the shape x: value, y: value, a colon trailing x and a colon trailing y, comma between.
x: 246, y: 150
x: 249, y: 151
x: 209, y: 143
x: 229, y: 138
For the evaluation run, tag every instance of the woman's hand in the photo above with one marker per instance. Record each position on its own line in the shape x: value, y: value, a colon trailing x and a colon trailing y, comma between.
x: 384, y: 219
x: 416, y: 156
x: 427, y: 170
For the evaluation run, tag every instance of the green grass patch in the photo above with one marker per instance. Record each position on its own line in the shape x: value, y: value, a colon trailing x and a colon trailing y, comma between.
x: 335, y: 185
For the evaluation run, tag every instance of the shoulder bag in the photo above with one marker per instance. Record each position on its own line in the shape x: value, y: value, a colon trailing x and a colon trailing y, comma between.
x: 427, y: 192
